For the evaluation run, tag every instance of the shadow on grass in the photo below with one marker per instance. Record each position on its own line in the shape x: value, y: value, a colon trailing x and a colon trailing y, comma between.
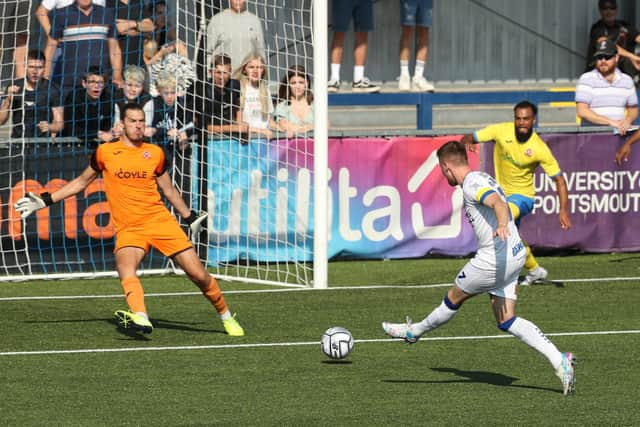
x: 182, y: 326
x: 129, y: 332
x: 161, y: 324
x: 624, y: 259
x: 337, y: 362
x: 132, y: 333
x: 483, y: 377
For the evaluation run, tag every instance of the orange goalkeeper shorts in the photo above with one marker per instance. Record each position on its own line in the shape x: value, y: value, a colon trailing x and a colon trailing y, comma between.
x: 166, y: 236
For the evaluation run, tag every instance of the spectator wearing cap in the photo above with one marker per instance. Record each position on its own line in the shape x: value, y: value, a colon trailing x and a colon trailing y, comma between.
x: 605, y: 96
x: 624, y: 35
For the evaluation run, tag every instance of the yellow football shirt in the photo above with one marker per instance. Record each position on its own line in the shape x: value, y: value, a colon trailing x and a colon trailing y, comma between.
x: 515, y: 162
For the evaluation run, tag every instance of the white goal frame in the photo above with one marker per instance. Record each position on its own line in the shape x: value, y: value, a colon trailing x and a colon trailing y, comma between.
x: 319, y: 72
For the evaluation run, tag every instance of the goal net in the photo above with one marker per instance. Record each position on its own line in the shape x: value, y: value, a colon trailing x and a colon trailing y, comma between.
x: 256, y: 181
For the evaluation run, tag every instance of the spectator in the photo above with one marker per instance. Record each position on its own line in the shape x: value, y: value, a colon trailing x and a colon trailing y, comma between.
x: 294, y: 113
x: 362, y: 13
x: 88, y: 111
x: 46, y: 6
x: 605, y: 95
x: 415, y: 14
x: 15, y: 30
x: 256, y: 107
x: 621, y: 33
x: 43, y: 12
x: 169, y: 118
x: 88, y: 35
x: 163, y: 39
x: 158, y: 12
x: 235, y: 32
x: 38, y: 112
x: 163, y: 51
x: 172, y: 57
x: 223, y: 100
x: 154, y: 52
x: 133, y: 20
x: 133, y: 92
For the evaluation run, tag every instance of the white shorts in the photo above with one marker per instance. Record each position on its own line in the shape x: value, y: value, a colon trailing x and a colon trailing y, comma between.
x: 479, y: 276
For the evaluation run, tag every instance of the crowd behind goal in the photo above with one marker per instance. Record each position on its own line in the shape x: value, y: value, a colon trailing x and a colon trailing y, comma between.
x: 72, y: 75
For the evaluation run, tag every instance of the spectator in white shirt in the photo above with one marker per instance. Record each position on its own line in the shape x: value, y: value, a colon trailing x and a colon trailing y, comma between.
x: 605, y: 96
x: 256, y: 106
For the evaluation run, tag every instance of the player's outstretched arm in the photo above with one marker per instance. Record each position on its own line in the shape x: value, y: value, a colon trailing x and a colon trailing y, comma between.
x: 563, y: 194
x: 33, y: 202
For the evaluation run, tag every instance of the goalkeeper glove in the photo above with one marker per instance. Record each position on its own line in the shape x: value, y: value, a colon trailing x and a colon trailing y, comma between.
x: 32, y: 202
x: 195, y: 221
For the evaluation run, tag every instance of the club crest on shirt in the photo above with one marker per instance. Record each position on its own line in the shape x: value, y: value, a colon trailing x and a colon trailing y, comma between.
x: 528, y: 152
x: 146, y: 155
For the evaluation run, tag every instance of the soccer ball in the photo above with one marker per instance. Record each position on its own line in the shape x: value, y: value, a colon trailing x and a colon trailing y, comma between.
x: 337, y: 342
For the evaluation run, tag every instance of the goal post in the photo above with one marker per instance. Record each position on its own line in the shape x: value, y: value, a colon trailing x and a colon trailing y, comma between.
x: 321, y: 156
x: 266, y: 195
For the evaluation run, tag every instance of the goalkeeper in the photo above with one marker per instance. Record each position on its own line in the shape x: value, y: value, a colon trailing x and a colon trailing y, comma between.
x: 132, y: 171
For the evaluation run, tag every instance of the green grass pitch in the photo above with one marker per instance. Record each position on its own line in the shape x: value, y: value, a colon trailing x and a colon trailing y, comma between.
x: 65, y: 362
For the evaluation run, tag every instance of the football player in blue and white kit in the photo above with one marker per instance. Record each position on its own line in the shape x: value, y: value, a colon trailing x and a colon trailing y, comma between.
x: 494, y: 269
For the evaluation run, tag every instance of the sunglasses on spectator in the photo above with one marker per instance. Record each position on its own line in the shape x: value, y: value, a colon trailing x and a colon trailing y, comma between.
x: 604, y: 57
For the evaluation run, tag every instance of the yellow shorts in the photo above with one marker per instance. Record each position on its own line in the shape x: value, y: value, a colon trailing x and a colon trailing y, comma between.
x: 167, y: 237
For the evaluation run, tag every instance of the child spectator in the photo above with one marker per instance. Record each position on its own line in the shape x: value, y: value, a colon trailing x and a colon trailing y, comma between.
x: 256, y: 106
x: 133, y: 92
x: 87, y: 110
x: 169, y: 118
x: 415, y: 14
x: 294, y: 114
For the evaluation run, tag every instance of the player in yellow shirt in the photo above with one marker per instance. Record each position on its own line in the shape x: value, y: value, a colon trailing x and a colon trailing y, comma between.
x: 133, y: 171
x: 518, y: 152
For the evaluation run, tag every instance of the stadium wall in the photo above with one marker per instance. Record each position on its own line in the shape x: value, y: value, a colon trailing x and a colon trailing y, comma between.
x: 388, y: 199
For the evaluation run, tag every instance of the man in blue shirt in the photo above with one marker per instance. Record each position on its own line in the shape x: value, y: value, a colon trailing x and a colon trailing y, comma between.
x: 87, y: 35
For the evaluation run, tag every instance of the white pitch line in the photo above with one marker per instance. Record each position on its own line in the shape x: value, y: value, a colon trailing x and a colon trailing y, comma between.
x: 261, y: 291
x: 286, y: 344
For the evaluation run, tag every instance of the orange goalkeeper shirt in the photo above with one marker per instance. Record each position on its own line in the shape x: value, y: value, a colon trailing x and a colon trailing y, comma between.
x: 129, y: 176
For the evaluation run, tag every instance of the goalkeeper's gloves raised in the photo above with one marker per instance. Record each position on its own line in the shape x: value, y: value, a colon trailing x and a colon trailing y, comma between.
x: 195, y: 221
x: 32, y: 202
